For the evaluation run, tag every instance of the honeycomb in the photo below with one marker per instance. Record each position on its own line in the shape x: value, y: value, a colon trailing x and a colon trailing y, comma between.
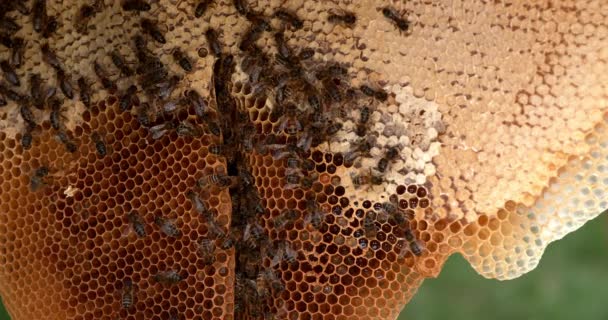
x: 217, y: 190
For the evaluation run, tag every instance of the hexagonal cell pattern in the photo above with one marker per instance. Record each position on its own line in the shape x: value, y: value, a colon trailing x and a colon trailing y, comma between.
x: 223, y: 190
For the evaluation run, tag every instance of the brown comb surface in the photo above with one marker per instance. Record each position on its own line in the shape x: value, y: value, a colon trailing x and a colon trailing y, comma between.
x: 497, y: 110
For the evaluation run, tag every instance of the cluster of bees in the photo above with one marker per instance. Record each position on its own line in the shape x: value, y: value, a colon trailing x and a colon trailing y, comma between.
x: 309, y: 99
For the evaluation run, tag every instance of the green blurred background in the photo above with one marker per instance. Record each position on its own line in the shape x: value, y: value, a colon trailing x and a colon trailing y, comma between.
x: 571, y: 282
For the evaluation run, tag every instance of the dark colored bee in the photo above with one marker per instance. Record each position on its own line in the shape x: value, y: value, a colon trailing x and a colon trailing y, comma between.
x: 12, y: 94
x: 364, y: 115
x: 282, y: 47
x: 143, y: 114
x: 369, y: 226
x: 197, y: 102
x: 214, y: 44
x: 306, y: 53
x: 50, y: 57
x: 167, y: 226
x: 290, y: 18
x: 39, y: 14
x: 85, y: 92
x: 17, y: 52
x: 37, y: 179
x: 9, y: 73
x: 249, y: 38
x: 65, y: 85
x: 333, y: 128
x: 218, y: 180
x: 135, y: 5
x: 214, y: 128
x: 26, y: 139
x: 227, y: 242
x: 345, y: 18
x: 19, y: 6
x: 55, y: 115
x: 170, y: 277
x: 3, y: 101
x: 207, y: 249
x: 367, y: 90
x: 201, y: 7
x: 6, y: 40
x: 241, y: 7
x: 137, y: 224
x: 416, y: 248
x: 85, y: 13
x: 186, y: 128
x: 391, y: 14
x: 127, y: 294
x: 392, y: 153
x: 70, y: 146
x: 381, y: 95
x: 9, y: 24
x: 28, y: 116
x: 152, y: 29
x: 103, y: 77
x: 182, y: 59
x: 126, y: 100
x: 100, y: 146
x: 258, y: 21
x: 51, y: 25
x: 120, y: 63
x: 382, y: 165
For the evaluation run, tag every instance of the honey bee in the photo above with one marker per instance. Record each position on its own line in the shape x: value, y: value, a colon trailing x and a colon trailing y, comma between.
x: 207, y: 249
x: 158, y: 131
x: 37, y: 179
x: 27, y: 116
x: 369, y: 226
x: 6, y: 40
x: 65, y: 85
x: 285, y: 218
x: 290, y: 18
x: 170, y: 277
x: 136, y: 223
x: 84, y: 15
x: 167, y: 226
x: 333, y: 128
x: 63, y: 137
x: 51, y: 25
x: 152, y: 30
x: 282, y: 47
x: 187, y: 128
x: 241, y: 7
x: 103, y: 77
x: 120, y: 63
x: 390, y: 155
x: 12, y: 94
x: 249, y: 38
x: 409, y: 236
x: 50, y: 57
x: 416, y: 248
x: 214, y: 45
x: 342, y: 17
x: 218, y: 180
x: 100, y: 145
x: 9, y: 73
x: 18, y: 50
x: 55, y: 115
x: 392, y: 15
x: 201, y: 7
x: 38, y: 14
x: 85, y: 92
x: 306, y: 53
x: 26, y: 139
x: 182, y: 60
x: 197, y: 202
x: 9, y: 24
x: 361, y: 128
x: 198, y: 103
x: 126, y: 100
x: 315, y: 217
x: 252, y: 235
x: 135, y: 5
x: 365, y: 179
x: 128, y: 296
x: 378, y: 94
x: 3, y: 101
x: 36, y: 90
x: 143, y: 114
